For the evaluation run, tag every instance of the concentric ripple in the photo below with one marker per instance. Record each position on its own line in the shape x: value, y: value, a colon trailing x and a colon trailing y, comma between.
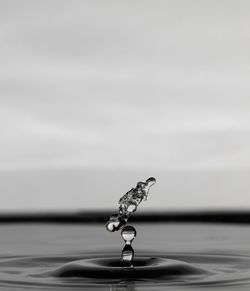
x: 105, y: 269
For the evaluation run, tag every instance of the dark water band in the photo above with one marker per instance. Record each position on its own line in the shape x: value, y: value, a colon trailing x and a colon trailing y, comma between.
x: 223, y: 216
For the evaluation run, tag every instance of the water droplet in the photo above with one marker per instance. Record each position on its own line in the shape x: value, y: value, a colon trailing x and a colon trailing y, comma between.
x: 128, y: 234
x: 115, y: 223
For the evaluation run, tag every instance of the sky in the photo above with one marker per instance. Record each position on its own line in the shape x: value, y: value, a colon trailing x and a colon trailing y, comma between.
x: 92, y: 90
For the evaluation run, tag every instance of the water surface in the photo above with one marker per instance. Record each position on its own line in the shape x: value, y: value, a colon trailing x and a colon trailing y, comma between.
x: 201, y: 256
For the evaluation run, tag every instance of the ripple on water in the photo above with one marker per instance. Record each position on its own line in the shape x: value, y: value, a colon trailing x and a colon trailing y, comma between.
x: 159, y: 269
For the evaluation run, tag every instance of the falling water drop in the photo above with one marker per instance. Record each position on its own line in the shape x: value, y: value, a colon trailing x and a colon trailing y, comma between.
x: 128, y: 234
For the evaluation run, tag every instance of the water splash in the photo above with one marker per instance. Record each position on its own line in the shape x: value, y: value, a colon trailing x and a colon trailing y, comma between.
x: 128, y: 204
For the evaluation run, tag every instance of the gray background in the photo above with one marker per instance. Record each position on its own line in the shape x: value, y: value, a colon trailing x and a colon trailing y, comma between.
x: 96, y: 95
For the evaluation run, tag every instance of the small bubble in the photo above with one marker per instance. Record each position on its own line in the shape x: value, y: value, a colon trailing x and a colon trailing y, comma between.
x: 132, y: 207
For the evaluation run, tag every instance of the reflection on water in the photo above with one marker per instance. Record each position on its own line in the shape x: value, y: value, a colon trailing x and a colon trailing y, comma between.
x: 128, y: 287
x: 84, y: 257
